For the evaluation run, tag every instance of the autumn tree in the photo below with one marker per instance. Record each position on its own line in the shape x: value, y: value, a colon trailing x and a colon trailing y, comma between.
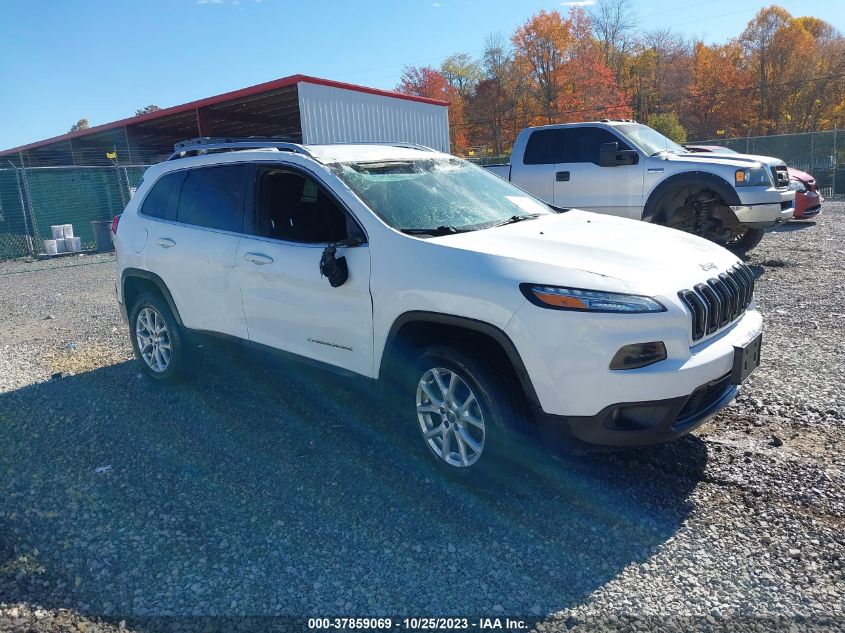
x: 657, y: 72
x: 540, y: 50
x: 423, y: 81
x: 757, y: 41
x: 613, y: 23
x: 588, y: 87
x: 491, y: 106
x: 717, y: 98
x: 812, y: 82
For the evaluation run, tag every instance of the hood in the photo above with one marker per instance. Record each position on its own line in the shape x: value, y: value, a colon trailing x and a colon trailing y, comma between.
x: 608, y: 252
x: 797, y: 174
x: 734, y: 160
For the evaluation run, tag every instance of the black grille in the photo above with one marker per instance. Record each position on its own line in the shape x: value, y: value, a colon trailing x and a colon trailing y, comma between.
x: 781, y: 176
x: 703, y: 398
x: 720, y: 301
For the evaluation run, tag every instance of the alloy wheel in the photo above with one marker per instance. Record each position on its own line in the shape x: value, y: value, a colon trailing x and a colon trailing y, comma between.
x: 153, y: 339
x: 450, y: 417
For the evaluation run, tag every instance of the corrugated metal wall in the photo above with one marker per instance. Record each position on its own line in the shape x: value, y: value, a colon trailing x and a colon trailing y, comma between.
x: 335, y: 115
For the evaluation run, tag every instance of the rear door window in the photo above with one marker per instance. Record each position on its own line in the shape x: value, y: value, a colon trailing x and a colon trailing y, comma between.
x: 163, y: 197
x: 545, y: 147
x: 213, y: 197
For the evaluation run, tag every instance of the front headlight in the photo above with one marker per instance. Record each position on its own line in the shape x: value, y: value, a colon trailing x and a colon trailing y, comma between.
x: 797, y: 185
x: 752, y: 177
x: 580, y: 300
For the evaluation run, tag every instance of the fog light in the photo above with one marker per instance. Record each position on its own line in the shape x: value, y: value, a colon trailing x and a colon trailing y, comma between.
x: 638, y: 355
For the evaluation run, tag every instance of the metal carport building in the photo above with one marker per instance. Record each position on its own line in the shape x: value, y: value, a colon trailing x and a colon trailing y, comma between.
x: 69, y: 178
x: 304, y: 109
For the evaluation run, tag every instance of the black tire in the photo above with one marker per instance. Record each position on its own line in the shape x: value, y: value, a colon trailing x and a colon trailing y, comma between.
x: 178, y: 359
x: 749, y: 240
x: 503, y: 449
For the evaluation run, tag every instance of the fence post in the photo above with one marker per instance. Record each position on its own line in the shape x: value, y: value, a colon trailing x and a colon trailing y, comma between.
x: 128, y: 184
x: 812, y: 152
x: 20, y: 180
x: 119, y: 185
x: 835, y: 164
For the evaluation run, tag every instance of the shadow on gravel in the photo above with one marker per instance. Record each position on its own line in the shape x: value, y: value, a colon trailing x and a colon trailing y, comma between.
x: 788, y: 227
x: 253, y: 492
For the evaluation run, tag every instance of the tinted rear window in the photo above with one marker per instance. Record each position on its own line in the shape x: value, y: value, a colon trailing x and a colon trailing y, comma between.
x: 545, y: 147
x: 163, y: 197
x: 213, y: 197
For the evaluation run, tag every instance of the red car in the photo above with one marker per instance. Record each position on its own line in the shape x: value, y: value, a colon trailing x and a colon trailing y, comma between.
x: 808, y: 200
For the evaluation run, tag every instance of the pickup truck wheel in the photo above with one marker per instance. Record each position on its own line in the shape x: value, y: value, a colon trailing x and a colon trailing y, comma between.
x: 747, y: 240
x: 465, y: 413
x: 156, y: 338
x: 695, y: 210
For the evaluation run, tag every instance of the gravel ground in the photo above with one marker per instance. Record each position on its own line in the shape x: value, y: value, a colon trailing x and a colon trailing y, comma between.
x: 249, y: 492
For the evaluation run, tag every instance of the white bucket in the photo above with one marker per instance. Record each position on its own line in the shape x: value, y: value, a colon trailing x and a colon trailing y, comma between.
x: 73, y: 244
x: 67, y: 230
x: 58, y: 231
x: 61, y: 246
x: 50, y: 247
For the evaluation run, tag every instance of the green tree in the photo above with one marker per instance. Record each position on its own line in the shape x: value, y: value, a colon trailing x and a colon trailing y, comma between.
x: 82, y: 124
x: 462, y: 73
x: 668, y: 125
x: 147, y: 110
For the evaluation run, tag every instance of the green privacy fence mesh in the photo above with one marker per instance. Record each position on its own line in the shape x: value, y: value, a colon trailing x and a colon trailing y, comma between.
x: 34, y: 199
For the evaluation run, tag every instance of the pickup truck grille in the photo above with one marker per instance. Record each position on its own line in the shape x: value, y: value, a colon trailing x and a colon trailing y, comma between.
x: 781, y: 176
x: 720, y: 301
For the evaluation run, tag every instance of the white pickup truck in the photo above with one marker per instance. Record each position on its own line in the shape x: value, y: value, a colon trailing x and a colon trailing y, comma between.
x: 624, y: 168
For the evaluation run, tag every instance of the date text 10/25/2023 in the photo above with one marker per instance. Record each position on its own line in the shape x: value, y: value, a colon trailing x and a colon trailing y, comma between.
x: 419, y: 623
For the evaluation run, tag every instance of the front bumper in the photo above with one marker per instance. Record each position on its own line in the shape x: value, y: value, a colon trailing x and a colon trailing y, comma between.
x: 761, y: 208
x: 567, y: 356
x: 807, y: 204
x: 641, y: 423
x: 762, y: 216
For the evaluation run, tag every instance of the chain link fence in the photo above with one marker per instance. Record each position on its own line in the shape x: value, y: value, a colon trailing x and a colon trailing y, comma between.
x: 820, y: 154
x: 33, y: 199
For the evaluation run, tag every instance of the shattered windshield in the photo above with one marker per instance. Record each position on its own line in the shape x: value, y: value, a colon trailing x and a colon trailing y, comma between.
x: 649, y: 140
x: 438, y: 195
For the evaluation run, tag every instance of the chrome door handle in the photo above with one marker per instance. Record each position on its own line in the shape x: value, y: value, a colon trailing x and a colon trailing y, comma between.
x: 166, y: 242
x: 258, y: 258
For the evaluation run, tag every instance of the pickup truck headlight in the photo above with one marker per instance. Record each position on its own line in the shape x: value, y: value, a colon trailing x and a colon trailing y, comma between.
x: 752, y: 177
x: 580, y: 300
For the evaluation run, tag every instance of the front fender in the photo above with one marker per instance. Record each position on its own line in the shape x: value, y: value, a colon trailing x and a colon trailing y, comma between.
x: 702, y: 179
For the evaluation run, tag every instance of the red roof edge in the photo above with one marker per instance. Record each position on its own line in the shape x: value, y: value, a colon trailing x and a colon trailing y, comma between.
x: 249, y: 91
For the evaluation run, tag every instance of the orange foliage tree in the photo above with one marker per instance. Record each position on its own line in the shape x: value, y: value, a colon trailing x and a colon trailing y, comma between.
x: 782, y: 74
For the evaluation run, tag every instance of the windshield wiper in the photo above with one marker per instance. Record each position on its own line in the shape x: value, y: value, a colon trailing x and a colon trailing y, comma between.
x: 440, y: 230
x: 516, y: 218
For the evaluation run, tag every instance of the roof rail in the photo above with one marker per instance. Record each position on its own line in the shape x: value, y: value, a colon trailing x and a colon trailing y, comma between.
x: 209, y: 144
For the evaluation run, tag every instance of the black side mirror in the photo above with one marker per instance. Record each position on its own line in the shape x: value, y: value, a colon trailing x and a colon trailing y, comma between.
x: 333, y: 267
x: 610, y: 155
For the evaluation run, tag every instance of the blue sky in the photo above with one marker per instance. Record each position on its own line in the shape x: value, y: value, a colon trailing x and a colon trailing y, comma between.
x: 102, y: 60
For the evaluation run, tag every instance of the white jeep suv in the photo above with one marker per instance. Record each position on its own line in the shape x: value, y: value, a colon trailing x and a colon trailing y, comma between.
x: 483, y: 308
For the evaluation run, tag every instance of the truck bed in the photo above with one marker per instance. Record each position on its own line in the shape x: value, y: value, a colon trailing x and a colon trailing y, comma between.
x: 502, y: 171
